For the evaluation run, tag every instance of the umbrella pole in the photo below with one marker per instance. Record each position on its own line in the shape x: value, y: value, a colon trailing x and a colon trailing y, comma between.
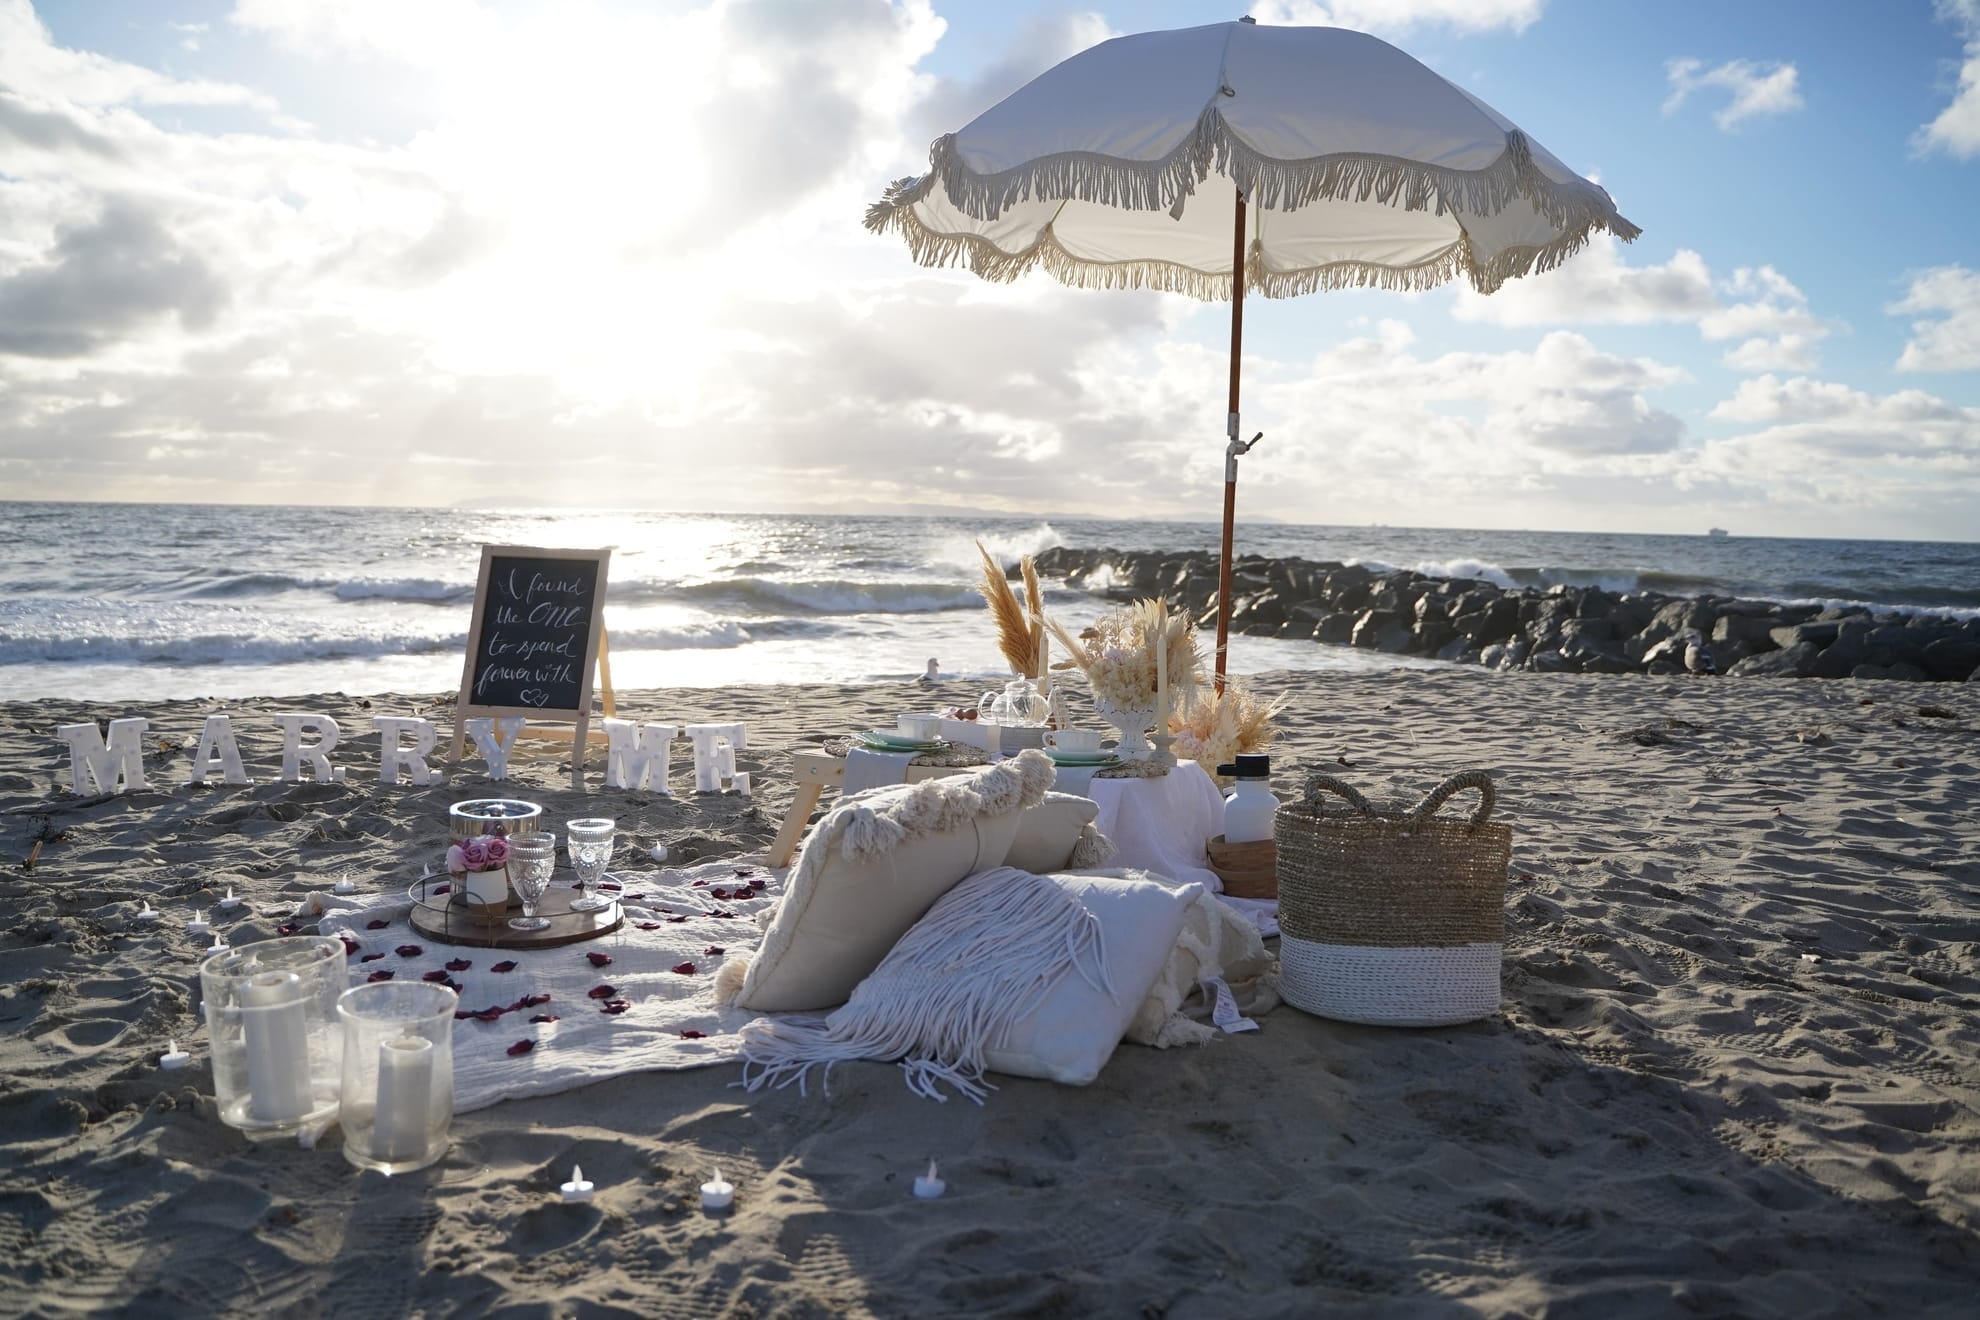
x: 1235, y: 448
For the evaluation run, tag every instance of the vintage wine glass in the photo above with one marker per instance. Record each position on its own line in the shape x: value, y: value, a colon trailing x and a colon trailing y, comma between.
x: 531, y: 859
x: 589, y: 844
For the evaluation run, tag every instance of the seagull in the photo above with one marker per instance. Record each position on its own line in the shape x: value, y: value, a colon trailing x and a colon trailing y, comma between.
x: 933, y: 676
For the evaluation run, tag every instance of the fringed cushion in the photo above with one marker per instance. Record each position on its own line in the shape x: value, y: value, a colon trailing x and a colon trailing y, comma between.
x: 872, y: 867
x: 1021, y: 973
x: 1058, y: 835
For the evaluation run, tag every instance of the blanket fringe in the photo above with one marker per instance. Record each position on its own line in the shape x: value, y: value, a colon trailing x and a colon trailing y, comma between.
x: 975, y: 966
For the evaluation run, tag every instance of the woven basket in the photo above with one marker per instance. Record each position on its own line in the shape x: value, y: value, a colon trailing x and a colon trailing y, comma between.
x: 1391, y: 918
x: 1248, y: 870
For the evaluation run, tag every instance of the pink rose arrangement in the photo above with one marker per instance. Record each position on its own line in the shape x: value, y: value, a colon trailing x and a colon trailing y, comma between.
x: 482, y: 853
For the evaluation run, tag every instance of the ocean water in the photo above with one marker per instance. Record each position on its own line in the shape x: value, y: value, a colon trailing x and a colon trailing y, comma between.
x: 127, y: 602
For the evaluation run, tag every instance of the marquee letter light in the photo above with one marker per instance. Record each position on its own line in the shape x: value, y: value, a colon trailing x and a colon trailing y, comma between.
x: 489, y: 739
x: 394, y: 755
x: 635, y: 751
x: 218, y: 753
x: 318, y: 753
x: 112, y: 767
x: 715, y: 753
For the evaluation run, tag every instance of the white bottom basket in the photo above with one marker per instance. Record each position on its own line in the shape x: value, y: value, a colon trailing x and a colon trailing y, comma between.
x: 1390, y: 987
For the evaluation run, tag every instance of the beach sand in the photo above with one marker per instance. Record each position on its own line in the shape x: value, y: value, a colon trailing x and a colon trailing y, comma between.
x: 1737, y: 1071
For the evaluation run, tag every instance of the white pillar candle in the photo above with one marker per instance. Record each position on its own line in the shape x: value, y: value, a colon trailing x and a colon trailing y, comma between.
x: 405, y: 1099
x: 277, y: 1033
x: 1044, y: 659
x: 1162, y: 676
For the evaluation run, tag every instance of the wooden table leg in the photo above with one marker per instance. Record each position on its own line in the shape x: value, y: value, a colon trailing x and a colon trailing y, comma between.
x: 786, y: 842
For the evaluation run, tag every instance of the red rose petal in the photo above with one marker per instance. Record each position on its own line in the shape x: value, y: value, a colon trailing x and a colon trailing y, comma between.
x: 371, y: 957
x: 699, y: 884
x: 503, y: 967
x: 379, y: 976
x: 409, y: 951
x: 351, y: 946
x: 602, y: 991
x: 599, y: 959
x: 675, y: 921
x: 634, y: 897
x: 742, y: 870
x: 490, y: 1014
x: 377, y: 923
x: 614, y: 1006
x: 461, y: 1013
x: 684, y: 969
x: 521, y: 1047
x: 544, y: 1017
x: 712, y: 951
x: 459, y: 965
x: 646, y: 925
x: 720, y: 893
x: 442, y: 889
x: 435, y: 976
x: 287, y: 928
x: 533, y: 1001
x: 691, y: 1034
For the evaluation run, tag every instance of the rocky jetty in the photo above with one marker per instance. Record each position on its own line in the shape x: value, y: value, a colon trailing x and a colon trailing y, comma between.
x: 1562, y: 629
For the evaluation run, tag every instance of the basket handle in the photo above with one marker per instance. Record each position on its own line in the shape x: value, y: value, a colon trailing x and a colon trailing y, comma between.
x: 1457, y: 783
x: 1315, y: 784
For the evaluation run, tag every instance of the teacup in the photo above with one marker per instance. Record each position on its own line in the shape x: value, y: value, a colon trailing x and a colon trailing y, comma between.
x: 1084, y: 741
x: 922, y: 728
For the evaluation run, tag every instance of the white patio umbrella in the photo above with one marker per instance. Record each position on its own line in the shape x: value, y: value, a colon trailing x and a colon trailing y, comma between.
x: 1312, y: 157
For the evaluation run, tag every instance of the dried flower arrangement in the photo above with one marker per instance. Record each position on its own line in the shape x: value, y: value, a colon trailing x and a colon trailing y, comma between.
x: 1117, y: 654
x: 1020, y: 624
x: 1220, y: 725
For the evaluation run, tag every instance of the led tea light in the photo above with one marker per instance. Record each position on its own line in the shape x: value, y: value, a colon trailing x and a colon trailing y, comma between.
x: 717, y: 1194
x: 578, y: 1189
x: 928, y: 1186
x: 229, y: 903
x: 173, y: 1058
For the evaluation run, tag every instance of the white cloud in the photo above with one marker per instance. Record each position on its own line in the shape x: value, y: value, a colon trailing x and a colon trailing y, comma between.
x: 1951, y: 344
x: 1756, y: 89
x: 1956, y: 129
x: 1402, y: 15
x: 40, y: 74
x: 1755, y: 304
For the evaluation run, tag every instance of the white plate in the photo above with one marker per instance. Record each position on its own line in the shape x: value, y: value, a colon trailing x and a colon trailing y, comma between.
x: 881, y: 740
x: 1081, y: 760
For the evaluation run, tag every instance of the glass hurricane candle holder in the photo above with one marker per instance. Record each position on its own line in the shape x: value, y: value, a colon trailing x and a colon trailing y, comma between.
x: 277, y: 1046
x: 398, y: 1074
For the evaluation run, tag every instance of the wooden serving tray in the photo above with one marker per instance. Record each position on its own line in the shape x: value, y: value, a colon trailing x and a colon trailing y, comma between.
x: 438, y: 917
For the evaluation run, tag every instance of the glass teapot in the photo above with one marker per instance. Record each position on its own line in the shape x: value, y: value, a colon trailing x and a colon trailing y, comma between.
x: 1019, y: 703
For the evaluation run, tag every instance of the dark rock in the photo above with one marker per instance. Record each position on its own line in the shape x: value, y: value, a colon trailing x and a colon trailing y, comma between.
x: 1432, y: 635
x: 1382, y: 630
x: 1817, y: 634
x: 1549, y: 662
x: 1951, y: 658
x: 1796, y: 661
x: 1461, y: 651
x: 1753, y: 629
x: 1594, y: 630
x: 1335, y: 630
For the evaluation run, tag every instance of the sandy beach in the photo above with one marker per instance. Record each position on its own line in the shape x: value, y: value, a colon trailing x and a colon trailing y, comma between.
x: 1737, y: 1071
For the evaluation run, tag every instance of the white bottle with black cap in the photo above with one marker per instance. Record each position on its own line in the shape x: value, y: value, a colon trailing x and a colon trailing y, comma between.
x: 1250, y: 808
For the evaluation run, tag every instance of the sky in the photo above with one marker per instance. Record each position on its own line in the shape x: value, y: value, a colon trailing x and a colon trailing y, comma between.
x: 419, y: 252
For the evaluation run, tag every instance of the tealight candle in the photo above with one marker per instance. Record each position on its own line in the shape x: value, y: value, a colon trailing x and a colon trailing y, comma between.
x: 147, y: 913
x: 717, y: 1194
x: 219, y: 945
x: 229, y: 903
x: 929, y: 1186
x: 343, y: 886
x: 173, y: 1058
x: 199, y: 925
x: 578, y: 1188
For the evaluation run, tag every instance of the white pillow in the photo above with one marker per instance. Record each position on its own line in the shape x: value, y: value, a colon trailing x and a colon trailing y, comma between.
x: 1058, y: 835
x: 1021, y: 973
x: 870, y: 869
x: 1073, y: 1031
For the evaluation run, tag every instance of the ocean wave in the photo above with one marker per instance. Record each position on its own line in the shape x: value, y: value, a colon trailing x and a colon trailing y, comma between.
x: 827, y: 595
x: 959, y: 552
x: 419, y: 591
x: 215, y: 648
x: 1465, y: 570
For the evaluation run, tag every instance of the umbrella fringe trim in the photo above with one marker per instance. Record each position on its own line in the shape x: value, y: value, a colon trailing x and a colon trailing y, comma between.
x: 981, y: 257
x: 1285, y: 185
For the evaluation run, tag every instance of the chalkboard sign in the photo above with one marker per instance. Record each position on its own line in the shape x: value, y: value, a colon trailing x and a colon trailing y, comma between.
x: 533, y: 643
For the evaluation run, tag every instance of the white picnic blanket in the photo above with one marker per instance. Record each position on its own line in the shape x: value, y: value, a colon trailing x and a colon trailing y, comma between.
x: 674, y: 919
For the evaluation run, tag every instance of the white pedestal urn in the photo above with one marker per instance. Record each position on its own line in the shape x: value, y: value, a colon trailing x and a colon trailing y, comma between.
x: 1134, y: 722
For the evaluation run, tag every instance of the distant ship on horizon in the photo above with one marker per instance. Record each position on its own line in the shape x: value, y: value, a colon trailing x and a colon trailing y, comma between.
x: 1717, y: 533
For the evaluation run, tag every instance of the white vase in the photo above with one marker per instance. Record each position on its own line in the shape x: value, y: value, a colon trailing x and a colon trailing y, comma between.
x: 1134, y: 722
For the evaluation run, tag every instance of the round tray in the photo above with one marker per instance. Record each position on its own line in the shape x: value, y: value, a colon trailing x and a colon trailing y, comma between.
x: 438, y: 917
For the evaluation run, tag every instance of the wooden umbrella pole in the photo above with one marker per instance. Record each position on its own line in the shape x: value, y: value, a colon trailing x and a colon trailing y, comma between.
x: 1235, y: 448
